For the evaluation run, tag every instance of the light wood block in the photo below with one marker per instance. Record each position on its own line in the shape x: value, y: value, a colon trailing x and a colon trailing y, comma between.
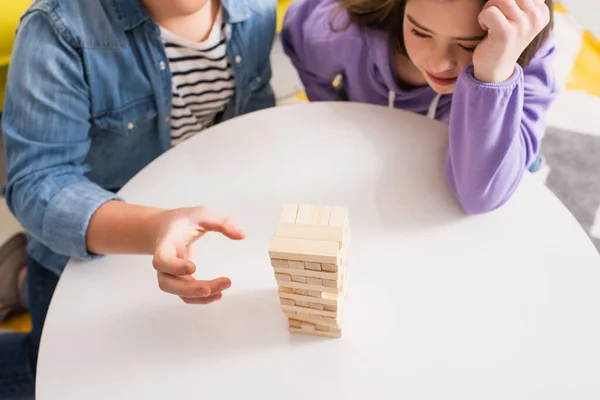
x: 316, y: 290
x: 314, y: 266
x: 316, y: 306
x: 322, y: 215
x: 339, y: 216
x: 287, y: 302
x: 329, y: 301
x: 286, y: 290
x: 319, y: 328
x: 317, y: 281
x: 333, y: 276
x: 302, y: 292
x: 329, y: 283
x: 304, y: 250
x: 307, y: 326
x: 289, y: 213
x: 315, y: 319
x: 318, y: 294
x: 329, y: 267
x: 283, y: 277
x: 309, y: 311
x: 300, y: 303
x: 306, y: 214
x: 294, y: 323
x: 298, y: 265
x: 332, y: 308
x: 312, y: 232
x: 318, y: 333
x: 281, y: 264
x: 299, y: 278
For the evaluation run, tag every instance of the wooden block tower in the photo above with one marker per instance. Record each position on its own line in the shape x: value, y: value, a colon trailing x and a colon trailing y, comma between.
x: 308, y: 253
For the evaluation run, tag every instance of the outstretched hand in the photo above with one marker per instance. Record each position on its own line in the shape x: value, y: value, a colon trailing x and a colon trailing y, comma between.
x: 178, y: 230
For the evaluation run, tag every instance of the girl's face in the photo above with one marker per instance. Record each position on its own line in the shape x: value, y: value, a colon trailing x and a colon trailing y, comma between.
x: 440, y: 37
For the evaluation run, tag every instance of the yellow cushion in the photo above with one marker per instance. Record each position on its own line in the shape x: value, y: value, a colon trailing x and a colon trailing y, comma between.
x: 10, y: 13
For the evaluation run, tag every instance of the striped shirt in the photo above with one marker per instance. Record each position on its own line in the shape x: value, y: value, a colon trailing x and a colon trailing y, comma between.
x: 203, y: 80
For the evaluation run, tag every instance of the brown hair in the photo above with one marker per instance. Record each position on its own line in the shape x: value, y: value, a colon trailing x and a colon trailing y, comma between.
x: 388, y: 16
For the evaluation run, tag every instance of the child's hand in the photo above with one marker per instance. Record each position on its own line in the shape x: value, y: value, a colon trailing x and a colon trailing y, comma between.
x: 511, y: 26
x: 178, y: 230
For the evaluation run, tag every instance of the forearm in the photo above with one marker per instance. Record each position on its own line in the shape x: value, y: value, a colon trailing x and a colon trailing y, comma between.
x: 121, y: 228
x: 489, y: 148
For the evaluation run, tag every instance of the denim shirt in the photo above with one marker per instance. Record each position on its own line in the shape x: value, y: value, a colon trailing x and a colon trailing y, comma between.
x: 88, y: 105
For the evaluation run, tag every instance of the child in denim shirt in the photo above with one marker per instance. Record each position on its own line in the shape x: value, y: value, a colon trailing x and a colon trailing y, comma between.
x: 96, y: 90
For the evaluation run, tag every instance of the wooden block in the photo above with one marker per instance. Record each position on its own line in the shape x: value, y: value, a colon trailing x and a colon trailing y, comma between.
x: 333, y: 308
x: 322, y: 215
x: 329, y: 283
x: 302, y: 292
x: 329, y: 267
x: 338, y: 217
x: 286, y: 290
x: 314, y: 266
x: 299, y: 265
x: 309, y: 311
x: 330, y: 300
x: 321, y: 328
x: 317, y: 281
x: 299, y: 278
x: 289, y: 213
x: 333, y: 276
x: 313, y: 290
x: 283, y: 277
x: 304, y: 250
x: 307, y: 326
x: 318, y: 333
x: 312, y: 232
x: 315, y: 319
x: 301, y: 303
x: 306, y: 214
x: 287, y: 302
x: 294, y: 323
x: 315, y: 306
x: 277, y: 263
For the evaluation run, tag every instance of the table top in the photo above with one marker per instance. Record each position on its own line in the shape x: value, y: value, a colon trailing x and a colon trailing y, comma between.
x: 440, y: 305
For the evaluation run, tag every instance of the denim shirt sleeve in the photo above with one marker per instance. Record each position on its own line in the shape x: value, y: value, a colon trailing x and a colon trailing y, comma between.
x: 46, y: 125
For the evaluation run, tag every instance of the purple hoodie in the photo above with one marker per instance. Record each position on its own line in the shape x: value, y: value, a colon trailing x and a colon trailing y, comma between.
x: 494, y: 129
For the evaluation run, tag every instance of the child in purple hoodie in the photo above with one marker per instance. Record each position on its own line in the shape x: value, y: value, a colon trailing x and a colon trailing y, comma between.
x: 482, y: 67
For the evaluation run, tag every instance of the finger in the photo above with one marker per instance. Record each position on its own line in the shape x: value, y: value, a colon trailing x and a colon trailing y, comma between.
x: 183, y: 285
x: 203, y: 300
x: 211, y: 221
x: 166, y: 261
x: 509, y: 8
x: 187, y: 286
x: 526, y: 5
x: 493, y: 20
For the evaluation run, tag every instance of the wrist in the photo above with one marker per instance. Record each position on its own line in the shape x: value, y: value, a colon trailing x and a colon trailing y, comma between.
x: 493, y: 76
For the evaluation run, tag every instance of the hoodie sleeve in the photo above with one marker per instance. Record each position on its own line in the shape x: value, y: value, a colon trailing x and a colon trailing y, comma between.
x: 309, y: 46
x: 495, y: 132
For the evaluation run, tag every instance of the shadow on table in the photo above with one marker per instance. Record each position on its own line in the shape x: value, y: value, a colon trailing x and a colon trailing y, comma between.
x: 243, y: 322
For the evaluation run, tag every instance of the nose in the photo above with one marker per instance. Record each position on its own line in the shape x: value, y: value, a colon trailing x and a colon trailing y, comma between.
x: 441, y: 60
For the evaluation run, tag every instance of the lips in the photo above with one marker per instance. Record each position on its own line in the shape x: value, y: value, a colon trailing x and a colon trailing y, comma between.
x: 441, y: 81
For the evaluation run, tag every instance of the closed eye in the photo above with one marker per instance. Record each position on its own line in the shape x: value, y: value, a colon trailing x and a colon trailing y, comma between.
x: 419, y: 34
x: 468, y: 48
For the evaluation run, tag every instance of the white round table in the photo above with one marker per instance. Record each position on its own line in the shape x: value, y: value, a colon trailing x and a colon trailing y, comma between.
x: 440, y: 305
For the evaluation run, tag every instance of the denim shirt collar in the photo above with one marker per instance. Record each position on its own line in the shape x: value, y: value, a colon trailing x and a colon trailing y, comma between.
x: 132, y: 12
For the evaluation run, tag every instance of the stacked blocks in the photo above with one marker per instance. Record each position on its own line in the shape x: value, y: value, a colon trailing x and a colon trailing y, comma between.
x: 308, y: 253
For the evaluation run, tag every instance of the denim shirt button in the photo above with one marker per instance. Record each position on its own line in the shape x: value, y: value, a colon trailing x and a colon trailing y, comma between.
x: 130, y: 126
x: 258, y: 79
x: 238, y: 59
x: 167, y: 119
x: 162, y: 65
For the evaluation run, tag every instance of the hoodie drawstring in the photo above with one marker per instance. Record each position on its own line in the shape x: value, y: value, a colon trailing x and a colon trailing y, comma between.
x: 433, y: 106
